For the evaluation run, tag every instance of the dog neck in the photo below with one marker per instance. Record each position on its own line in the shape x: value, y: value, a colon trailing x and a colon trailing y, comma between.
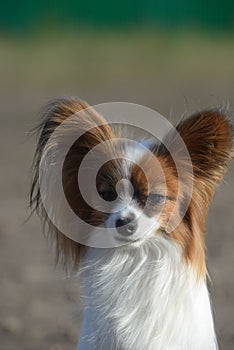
x: 144, y: 297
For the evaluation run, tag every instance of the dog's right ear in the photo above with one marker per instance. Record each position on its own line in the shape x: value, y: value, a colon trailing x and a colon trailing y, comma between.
x: 94, y: 130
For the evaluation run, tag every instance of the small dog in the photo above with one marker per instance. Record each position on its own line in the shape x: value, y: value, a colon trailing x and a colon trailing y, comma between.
x: 149, y: 292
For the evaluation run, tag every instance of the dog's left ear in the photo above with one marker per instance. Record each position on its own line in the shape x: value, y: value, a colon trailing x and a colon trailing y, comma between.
x: 208, y: 136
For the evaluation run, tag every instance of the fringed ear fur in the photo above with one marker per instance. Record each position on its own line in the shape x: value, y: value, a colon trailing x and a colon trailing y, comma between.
x: 68, y: 252
x: 208, y: 137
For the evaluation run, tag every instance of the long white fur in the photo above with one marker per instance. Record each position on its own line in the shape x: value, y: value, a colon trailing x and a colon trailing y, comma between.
x: 143, y: 297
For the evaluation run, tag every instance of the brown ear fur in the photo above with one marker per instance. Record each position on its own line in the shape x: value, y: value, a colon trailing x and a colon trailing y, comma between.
x: 208, y: 136
x: 68, y: 252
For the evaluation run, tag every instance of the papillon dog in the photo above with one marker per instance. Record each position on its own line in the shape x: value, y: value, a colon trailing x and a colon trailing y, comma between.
x: 149, y: 292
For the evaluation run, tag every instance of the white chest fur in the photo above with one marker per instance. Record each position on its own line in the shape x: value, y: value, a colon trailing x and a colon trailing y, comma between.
x: 144, y: 298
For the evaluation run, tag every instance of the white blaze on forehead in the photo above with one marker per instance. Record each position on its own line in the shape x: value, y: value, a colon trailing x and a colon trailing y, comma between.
x: 135, y: 151
x: 124, y: 189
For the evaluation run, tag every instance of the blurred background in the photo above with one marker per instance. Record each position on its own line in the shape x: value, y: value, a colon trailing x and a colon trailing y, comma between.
x: 175, y: 56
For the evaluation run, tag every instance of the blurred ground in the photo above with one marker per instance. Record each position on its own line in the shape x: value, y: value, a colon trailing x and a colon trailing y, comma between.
x: 172, y: 74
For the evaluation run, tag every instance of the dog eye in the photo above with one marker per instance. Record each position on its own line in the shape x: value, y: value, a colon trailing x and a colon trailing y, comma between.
x: 155, y: 198
x: 108, y: 196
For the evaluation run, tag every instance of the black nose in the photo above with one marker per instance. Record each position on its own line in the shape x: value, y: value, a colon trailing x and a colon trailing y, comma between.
x: 126, y: 226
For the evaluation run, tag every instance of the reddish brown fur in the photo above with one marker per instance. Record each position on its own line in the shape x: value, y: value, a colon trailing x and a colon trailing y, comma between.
x: 208, y: 136
x: 68, y: 251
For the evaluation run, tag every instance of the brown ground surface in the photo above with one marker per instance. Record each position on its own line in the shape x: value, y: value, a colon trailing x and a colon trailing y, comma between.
x: 39, y: 307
